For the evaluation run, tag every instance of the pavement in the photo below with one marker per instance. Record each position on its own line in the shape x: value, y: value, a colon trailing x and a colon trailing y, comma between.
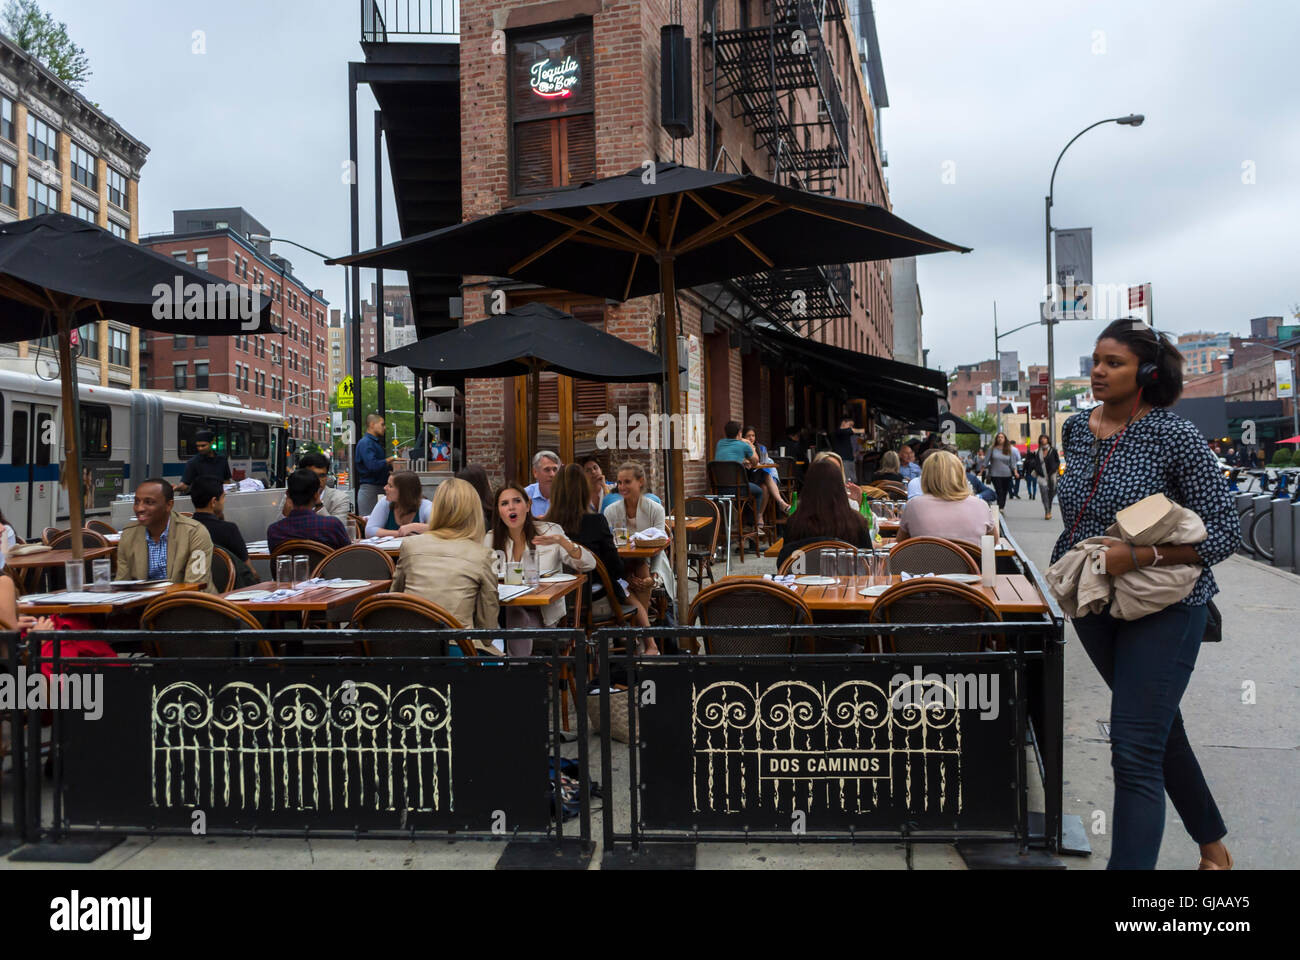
x: 1240, y: 709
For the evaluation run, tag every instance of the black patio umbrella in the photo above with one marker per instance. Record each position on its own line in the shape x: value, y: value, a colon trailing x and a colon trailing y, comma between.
x: 525, y: 341
x: 652, y: 230
x: 941, y: 422
x: 58, y: 272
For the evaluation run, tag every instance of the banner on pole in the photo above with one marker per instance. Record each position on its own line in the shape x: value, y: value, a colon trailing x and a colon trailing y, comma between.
x: 1285, y: 379
x: 1074, y: 273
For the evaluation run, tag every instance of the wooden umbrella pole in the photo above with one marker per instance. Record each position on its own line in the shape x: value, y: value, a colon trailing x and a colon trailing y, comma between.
x: 668, y: 284
x: 71, y: 432
x: 534, y: 403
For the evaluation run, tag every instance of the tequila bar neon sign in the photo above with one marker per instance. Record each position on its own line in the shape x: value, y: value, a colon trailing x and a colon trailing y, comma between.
x: 554, y: 80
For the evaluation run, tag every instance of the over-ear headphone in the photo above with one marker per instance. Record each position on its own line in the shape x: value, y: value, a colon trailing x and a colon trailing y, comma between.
x: 1149, y: 373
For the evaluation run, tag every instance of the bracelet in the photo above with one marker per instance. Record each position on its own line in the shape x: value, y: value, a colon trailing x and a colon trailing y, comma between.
x: 1133, y: 553
x: 1156, y: 556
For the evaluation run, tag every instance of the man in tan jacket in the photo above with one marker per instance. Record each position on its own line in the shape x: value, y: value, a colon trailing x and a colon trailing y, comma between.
x: 164, y: 545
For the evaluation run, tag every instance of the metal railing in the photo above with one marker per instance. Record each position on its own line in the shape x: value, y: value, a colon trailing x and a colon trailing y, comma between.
x: 385, y: 20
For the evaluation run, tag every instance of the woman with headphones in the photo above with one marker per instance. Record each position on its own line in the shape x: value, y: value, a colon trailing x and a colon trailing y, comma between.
x: 1127, y: 448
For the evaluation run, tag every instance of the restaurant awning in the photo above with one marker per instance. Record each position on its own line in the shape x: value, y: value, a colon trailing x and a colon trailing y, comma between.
x: 900, y: 390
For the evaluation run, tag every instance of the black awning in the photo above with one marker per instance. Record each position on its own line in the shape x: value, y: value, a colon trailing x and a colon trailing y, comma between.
x: 901, y: 390
x: 1209, y: 414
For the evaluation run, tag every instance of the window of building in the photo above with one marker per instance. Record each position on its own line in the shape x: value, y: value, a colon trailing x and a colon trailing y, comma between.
x: 200, y: 376
x: 552, y: 99
x: 83, y: 167
x: 8, y: 188
x: 89, y: 340
x: 180, y: 341
x: 83, y: 212
x: 119, y: 347
x: 200, y: 341
x: 116, y: 188
x: 7, y: 120
x: 41, y: 198
x: 117, y: 230
x: 201, y: 259
x: 180, y: 373
x: 42, y: 140
x: 181, y: 256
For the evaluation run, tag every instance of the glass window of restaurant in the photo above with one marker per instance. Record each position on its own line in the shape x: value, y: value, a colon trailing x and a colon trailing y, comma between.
x: 552, y: 104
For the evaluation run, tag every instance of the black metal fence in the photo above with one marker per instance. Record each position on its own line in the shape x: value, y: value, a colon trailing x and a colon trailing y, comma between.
x: 385, y: 20
x: 377, y: 746
x: 839, y: 747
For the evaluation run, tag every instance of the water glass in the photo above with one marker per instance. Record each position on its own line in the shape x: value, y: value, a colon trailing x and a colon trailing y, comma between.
x: 74, y: 572
x: 284, y: 573
x: 301, y: 568
x: 880, y: 574
x: 844, y: 565
x: 862, y: 571
x: 102, y: 575
x: 531, y: 574
x: 620, y: 536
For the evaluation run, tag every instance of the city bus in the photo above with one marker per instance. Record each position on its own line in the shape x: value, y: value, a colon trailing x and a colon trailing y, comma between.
x: 126, y: 436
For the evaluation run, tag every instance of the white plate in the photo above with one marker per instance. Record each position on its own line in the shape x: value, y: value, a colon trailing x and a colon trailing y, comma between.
x: 347, y: 584
x: 559, y: 578
x: 875, y: 591
x: 960, y: 577
x: 250, y: 595
x: 812, y: 581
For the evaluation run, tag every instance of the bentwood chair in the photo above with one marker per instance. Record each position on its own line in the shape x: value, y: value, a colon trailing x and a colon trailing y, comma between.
x: 702, y: 544
x: 973, y: 549
x: 223, y: 570
x: 317, y: 552
x: 786, y: 468
x: 49, y: 533
x: 896, y: 490
x: 930, y: 555
x: 729, y: 478
x: 99, y: 526
x: 181, y: 614
x: 799, y: 559
x: 933, y: 601
x: 360, y: 561
x: 406, y: 611
x: 359, y: 526
x: 63, y: 540
x: 748, y: 603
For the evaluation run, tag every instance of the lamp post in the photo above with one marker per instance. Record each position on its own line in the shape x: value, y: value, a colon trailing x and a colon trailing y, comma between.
x: 997, y: 357
x: 1132, y: 120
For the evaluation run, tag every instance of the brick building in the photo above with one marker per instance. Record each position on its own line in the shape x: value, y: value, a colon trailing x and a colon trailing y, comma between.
x: 517, y: 142
x: 967, y: 383
x: 286, y: 374
x: 60, y: 153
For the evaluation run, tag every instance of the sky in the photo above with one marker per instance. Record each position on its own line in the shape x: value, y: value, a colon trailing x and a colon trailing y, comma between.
x: 1200, y: 201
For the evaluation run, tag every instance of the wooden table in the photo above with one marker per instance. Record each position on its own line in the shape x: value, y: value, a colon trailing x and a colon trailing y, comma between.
x: 1003, y: 550
x: 103, y: 609
x: 641, y: 553
x: 692, y: 523
x: 55, y: 558
x: 547, y: 593
x: 258, y: 549
x: 315, y: 600
x: 1010, y: 593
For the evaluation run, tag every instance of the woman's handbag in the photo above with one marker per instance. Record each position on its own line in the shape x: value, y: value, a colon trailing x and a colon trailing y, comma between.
x: 1213, y: 624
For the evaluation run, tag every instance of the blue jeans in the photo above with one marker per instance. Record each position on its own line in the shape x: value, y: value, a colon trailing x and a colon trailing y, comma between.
x: 1031, y: 484
x: 1147, y: 664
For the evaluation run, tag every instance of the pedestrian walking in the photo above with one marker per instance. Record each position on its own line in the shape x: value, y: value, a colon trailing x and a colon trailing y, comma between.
x: 1032, y: 470
x: 1049, y: 468
x: 1004, y: 460
x: 1128, y: 448
x: 373, y: 466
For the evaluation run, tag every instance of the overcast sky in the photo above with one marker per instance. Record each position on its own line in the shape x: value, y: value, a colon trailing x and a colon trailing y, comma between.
x: 981, y: 94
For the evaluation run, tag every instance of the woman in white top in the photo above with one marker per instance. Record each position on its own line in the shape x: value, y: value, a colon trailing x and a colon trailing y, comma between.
x: 635, y: 511
x: 8, y: 539
x: 514, y: 530
x: 403, y: 509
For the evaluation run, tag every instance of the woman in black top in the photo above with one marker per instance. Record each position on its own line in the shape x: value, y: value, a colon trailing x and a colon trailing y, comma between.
x: 570, y: 508
x: 1126, y: 449
x: 888, y: 468
x: 823, y: 513
x: 1044, y: 464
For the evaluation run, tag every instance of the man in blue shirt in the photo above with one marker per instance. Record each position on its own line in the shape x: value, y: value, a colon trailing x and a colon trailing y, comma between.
x: 739, y: 451
x: 303, y: 522
x: 545, y: 466
x: 908, y: 467
x: 373, y: 466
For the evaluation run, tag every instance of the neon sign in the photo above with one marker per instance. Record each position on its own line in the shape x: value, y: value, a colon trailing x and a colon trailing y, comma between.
x: 554, y: 80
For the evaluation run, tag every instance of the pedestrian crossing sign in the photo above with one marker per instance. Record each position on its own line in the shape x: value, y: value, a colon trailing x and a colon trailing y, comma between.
x: 344, y: 398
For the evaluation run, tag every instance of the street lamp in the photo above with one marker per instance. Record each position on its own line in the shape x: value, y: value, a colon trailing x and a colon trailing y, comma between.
x: 1132, y: 120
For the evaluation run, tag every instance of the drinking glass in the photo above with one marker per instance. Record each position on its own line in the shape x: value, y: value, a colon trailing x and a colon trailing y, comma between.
x: 862, y: 572
x: 531, y: 574
x: 102, y: 575
x: 812, y: 563
x: 880, y: 574
x: 620, y: 536
x: 499, y: 563
x: 74, y: 572
x: 844, y: 565
x: 301, y: 568
x: 284, y: 573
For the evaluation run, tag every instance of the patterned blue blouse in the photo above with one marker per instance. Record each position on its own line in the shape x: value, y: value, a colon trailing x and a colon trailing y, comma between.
x: 1160, y: 453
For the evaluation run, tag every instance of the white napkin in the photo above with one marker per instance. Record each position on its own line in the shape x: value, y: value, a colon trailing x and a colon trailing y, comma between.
x: 318, y: 582
x: 650, y: 533
x: 784, y: 579
x: 278, y: 595
x: 911, y: 576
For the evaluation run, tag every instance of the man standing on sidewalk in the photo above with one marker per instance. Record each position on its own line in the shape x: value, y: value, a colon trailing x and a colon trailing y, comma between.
x: 372, y: 467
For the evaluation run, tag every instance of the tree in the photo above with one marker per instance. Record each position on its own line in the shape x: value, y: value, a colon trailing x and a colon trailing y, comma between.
x: 39, y: 34
x: 982, y: 420
x: 399, y: 409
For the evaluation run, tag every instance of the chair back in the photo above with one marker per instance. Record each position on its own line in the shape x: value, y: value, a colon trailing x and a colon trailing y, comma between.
x: 405, y: 611
x: 892, y: 487
x: 63, y: 540
x: 99, y: 526
x: 617, y: 617
x: 49, y: 533
x: 223, y: 570
x: 359, y: 526
x: 930, y: 555
x: 180, y: 614
x: 729, y: 478
x: 785, y: 468
x: 748, y: 603
x: 798, y: 561
x: 360, y: 561
x: 316, y: 551
x: 974, y: 549
x: 704, y: 540
x: 933, y: 601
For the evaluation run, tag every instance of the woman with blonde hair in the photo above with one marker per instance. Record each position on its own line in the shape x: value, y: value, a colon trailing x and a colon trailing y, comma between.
x: 635, y: 511
x: 889, y: 466
x: 946, y: 507
x: 450, y: 565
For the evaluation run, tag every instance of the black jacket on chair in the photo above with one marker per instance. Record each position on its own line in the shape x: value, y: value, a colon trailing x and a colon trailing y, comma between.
x: 595, y: 535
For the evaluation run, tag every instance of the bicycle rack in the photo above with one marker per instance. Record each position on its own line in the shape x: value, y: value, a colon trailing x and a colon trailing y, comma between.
x: 1284, y: 547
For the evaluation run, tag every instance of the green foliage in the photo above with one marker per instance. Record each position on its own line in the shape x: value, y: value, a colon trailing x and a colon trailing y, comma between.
x: 1282, y: 457
x: 982, y: 420
x: 400, y: 420
x: 39, y: 34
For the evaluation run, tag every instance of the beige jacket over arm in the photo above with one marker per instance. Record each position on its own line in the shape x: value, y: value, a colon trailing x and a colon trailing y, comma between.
x: 457, y: 575
x: 553, y: 558
x: 189, y: 553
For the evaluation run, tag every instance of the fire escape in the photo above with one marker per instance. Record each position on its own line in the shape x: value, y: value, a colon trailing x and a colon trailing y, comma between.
x: 758, y: 71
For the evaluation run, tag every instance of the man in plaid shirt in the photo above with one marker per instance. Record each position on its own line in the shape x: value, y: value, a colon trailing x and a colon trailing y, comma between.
x: 303, y: 522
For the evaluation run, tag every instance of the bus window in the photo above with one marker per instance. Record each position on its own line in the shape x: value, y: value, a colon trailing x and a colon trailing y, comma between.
x: 220, y: 436
x: 260, y: 447
x: 187, y: 427
x: 44, y: 428
x: 18, y: 442
x: 96, y: 432
x: 239, y: 442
